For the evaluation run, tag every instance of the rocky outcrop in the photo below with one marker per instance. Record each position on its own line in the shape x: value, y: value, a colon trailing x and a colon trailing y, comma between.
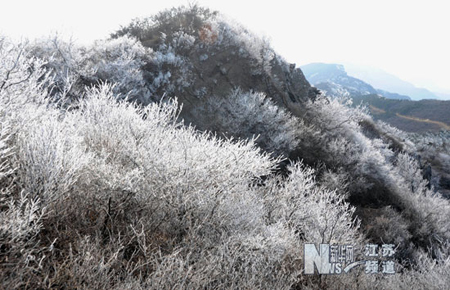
x: 198, y: 54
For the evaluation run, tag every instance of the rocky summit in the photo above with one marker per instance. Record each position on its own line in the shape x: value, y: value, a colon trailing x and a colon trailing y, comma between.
x: 199, y: 54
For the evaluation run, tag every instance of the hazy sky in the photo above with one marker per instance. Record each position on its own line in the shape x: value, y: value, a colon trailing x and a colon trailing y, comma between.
x: 407, y: 38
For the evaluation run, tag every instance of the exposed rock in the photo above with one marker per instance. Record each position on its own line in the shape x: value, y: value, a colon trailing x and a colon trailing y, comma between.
x: 212, y: 57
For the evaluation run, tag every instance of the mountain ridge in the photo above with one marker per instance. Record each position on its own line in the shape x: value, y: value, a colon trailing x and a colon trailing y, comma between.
x: 335, y: 81
x: 386, y: 81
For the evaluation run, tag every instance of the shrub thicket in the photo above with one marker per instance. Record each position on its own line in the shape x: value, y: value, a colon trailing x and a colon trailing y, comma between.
x: 104, y: 186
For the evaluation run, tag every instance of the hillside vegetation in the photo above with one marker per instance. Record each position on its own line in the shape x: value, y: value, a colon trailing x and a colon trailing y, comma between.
x: 183, y: 152
x: 410, y: 116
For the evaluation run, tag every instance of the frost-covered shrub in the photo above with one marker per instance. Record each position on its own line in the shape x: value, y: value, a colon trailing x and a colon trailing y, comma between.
x: 21, y: 217
x: 342, y: 144
x: 232, y: 33
x: 21, y: 77
x: 5, y: 149
x: 250, y: 115
x: 395, y: 137
x: 168, y: 60
x: 434, y: 141
x: 65, y: 62
x: 180, y: 176
x: 427, y: 211
x: 118, y: 61
x: 336, y: 116
x: 21, y: 254
x: 247, y: 260
x: 337, y: 180
x: 137, y: 174
x: 317, y: 213
x: 106, y: 193
x: 50, y: 157
x: 388, y: 226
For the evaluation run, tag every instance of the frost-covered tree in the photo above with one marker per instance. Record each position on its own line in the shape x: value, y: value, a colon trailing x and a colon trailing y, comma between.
x: 118, y: 61
x: 250, y: 115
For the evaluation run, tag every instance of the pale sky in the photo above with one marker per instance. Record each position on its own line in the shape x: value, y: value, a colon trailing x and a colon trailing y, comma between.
x: 407, y: 38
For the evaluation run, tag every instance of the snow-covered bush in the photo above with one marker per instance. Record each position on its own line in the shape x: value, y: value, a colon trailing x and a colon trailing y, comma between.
x: 380, y: 176
x: 118, y: 61
x: 21, y: 222
x: 21, y: 214
x: 137, y: 180
x: 112, y: 193
x: 316, y: 213
x: 341, y: 143
x: 427, y: 211
x: 250, y: 115
x: 21, y: 77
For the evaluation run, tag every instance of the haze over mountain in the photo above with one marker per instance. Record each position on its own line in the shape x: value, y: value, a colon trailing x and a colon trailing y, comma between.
x: 443, y: 95
x: 385, y: 81
x: 334, y: 80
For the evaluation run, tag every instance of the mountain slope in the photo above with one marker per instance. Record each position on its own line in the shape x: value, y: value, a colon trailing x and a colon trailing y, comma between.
x: 410, y: 116
x: 105, y: 183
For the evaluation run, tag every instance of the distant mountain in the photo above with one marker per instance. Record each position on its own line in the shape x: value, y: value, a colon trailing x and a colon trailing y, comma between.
x: 334, y: 81
x: 388, y: 82
x: 390, y: 95
x: 393, y: 108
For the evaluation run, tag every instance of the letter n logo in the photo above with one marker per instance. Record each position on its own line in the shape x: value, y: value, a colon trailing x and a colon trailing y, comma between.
x: 320, y: 260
